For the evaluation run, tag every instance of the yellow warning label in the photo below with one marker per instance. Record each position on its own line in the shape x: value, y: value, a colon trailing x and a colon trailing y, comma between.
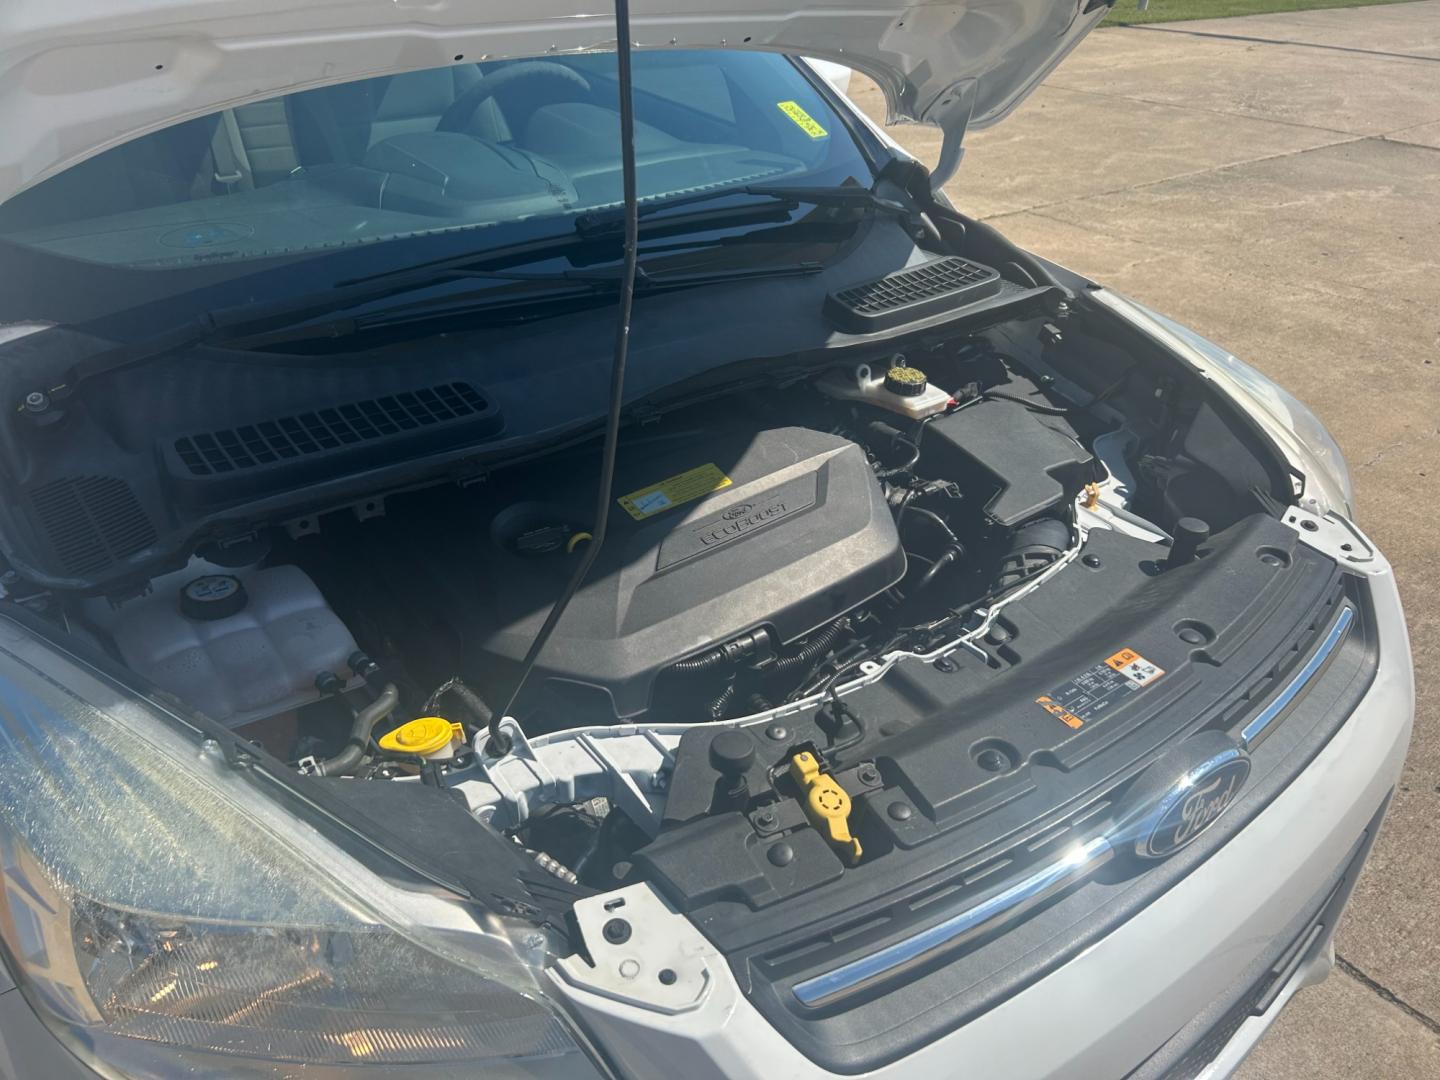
x: 803, y: 120
x: 681, y: 488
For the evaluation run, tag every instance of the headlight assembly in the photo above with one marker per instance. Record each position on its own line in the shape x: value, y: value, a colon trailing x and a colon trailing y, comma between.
x: 166, y: 918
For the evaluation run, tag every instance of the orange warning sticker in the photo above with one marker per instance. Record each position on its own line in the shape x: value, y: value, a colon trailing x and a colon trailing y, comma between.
x: 1054, y: 708
x: 1093, y: 693
x: 1134, y: 667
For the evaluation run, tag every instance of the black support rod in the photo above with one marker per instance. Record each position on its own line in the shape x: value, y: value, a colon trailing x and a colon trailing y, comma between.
x: 499, y: 741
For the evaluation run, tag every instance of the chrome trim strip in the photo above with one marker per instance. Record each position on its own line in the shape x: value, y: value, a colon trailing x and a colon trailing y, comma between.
x: 1021, y: 896
x: 1267, y: 715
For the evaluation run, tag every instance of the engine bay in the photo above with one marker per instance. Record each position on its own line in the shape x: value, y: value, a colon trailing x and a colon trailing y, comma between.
x: 756, y: 549
x: 791, y: 566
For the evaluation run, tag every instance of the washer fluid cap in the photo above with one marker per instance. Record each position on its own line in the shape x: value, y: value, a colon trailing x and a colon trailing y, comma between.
x: 906, y: 381
x: 423, y: 736
x: 214, y: 596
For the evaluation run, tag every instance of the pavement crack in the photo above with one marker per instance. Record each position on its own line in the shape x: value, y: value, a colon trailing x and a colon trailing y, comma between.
x: 1170, y: 179
x: 1251, y: 40
x: 1057, y: 83
x: 1386, y: 994
x: 1398, y: 444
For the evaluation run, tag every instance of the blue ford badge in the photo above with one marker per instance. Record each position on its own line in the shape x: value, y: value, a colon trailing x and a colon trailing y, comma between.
x: 1195, y: 795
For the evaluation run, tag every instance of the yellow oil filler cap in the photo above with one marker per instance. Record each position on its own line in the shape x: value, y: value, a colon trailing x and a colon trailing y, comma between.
x: 426, y: 736
x: 826, y: 804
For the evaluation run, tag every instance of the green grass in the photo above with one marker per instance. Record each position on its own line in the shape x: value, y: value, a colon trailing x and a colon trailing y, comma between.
x: 1127, y: 12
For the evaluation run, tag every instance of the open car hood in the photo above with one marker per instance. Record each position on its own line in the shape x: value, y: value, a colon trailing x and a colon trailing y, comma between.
x: 80, y: 76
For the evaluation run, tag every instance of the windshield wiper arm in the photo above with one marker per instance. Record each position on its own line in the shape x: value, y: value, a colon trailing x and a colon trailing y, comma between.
x: 844, y: 195
x: 581, y: 285
x: 258, y: 319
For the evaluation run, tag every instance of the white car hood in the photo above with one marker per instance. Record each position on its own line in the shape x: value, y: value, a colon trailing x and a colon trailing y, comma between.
x: 79, y: 76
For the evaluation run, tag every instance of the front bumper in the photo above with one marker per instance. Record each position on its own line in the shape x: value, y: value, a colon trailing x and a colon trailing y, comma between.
x: 1135, y: 999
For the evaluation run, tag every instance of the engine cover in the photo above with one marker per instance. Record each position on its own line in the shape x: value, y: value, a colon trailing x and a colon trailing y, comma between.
x: 711, y: 536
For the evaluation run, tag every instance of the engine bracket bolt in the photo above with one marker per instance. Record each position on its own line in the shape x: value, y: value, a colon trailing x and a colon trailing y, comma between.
x: 616, y: 931
x: 777, y: 732
x: 868, y: 774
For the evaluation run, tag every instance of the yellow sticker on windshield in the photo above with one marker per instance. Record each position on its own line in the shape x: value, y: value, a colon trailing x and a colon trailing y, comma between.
x: 803, y: 120
x: 673, y: 490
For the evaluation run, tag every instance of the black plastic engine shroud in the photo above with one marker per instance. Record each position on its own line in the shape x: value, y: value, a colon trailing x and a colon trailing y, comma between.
x: 798, y: 535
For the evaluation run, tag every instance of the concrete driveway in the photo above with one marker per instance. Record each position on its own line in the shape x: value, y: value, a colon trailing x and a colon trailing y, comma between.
x: 1274, y: 182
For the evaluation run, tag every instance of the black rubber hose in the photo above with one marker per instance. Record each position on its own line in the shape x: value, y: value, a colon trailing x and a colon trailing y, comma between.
x: 474, y: 704
x: 817, y: 646
x: 344, y: 763
x: 706, y: 661
x: 948, y: 556
x: 928, y: 515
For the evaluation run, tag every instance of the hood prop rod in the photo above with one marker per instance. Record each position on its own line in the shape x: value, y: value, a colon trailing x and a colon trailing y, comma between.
x: 499, y: 742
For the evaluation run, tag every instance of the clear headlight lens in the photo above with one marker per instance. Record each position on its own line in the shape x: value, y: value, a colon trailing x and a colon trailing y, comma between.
x: 158, y: 909
x: 1299, y: 429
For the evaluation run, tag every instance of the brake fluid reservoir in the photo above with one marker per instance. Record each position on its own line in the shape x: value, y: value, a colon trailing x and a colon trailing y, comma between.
x: 900, y: 389
x: 238, y: 645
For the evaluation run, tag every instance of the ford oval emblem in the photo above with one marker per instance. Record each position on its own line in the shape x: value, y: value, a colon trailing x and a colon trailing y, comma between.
x: 1192, y: 803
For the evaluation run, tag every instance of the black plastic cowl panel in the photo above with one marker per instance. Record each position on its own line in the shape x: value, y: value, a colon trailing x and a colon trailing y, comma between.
x: 913, y: 293
x: 248, y: 460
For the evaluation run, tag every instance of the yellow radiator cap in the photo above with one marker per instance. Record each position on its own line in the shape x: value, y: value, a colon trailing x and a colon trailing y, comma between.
x: 423, y: 736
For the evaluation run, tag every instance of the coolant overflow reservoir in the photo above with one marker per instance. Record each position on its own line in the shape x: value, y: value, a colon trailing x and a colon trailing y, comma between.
x: 238, y: 645
x: 900, y: 389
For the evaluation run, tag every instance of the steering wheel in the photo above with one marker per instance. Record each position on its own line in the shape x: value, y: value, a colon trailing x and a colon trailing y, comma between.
x: 462, y: 110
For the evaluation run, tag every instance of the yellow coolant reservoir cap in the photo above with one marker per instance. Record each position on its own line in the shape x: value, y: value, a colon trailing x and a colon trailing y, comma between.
x: 423, y: 736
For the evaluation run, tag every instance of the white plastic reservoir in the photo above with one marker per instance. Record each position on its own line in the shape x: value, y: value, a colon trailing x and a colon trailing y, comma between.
x: 238, y: 645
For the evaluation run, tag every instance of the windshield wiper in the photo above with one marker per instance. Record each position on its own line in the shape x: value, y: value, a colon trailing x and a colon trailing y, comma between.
x: 565, y: 287
x: 846, y: 195
x: 260, y: 320
x: 252, y: 319
x: 779, y: 202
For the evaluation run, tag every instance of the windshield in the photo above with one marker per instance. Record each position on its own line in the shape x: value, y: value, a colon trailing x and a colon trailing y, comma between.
x: 467, y: 147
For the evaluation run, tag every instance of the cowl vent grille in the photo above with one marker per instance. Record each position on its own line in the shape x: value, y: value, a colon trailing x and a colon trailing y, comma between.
x: 92, y: 522
x: 906, y: 295
x: 286, y: 438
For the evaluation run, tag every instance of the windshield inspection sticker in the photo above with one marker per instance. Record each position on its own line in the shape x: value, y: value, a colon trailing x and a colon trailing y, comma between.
x: 803, y: 120
x: 673, y: 490
x: 1094, y: 692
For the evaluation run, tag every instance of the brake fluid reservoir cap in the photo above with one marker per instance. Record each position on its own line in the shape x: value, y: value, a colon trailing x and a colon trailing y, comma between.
x: 906, y: 381
x: 214, y: 596
x: 423, y: 736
